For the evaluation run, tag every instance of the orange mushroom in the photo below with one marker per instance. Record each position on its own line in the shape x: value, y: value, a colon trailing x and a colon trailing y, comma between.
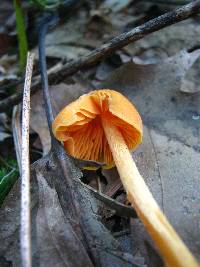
x: 103, y: 126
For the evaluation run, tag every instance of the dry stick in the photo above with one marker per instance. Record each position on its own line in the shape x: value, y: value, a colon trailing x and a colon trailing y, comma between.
x: 168, y: 2
x: 25, y: 231
x: 171, y: 247
x: 106, y: 49
x: 119, y: 208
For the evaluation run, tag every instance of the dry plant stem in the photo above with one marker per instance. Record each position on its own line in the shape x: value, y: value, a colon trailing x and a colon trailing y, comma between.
x: 25, y: 231
x: 171, y: 247
x: 108, y: 48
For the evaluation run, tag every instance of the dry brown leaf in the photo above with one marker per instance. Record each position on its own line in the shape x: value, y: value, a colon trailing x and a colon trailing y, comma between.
x: 56, y: 236
x: 61, y: 230
x: 155, y: 90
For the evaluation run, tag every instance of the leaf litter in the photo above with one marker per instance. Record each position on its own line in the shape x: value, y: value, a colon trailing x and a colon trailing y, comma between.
x: 155, y: 157
x: 156, y: 81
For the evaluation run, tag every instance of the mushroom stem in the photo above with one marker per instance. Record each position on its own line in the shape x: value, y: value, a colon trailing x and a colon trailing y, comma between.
x: 171, y: 247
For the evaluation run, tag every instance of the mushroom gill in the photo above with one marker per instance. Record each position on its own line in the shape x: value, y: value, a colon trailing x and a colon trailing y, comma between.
x: 79, y: 125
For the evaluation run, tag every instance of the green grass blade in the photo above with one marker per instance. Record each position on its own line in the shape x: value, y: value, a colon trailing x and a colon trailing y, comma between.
x: 21, y: 34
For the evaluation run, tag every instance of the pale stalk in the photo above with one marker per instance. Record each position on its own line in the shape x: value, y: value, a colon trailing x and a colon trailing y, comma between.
x: 25, y: 223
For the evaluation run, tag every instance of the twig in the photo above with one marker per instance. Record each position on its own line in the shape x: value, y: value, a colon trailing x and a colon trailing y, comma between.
x: 106, y: 49
x: 119, y: 208
x: 25, y: 231
x: 168, y: 2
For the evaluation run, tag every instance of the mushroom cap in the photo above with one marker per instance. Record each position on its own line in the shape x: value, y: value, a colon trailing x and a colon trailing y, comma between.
x: 79, y: 125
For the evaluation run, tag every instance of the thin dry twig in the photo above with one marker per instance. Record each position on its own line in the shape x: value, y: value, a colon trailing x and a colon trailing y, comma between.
x: 107, y: 49
x: 168, y: 2
x: 25, y: 231
x: 119, y: 208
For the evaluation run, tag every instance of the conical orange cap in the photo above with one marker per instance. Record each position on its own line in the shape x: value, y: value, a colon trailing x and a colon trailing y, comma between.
x: 79, y: 125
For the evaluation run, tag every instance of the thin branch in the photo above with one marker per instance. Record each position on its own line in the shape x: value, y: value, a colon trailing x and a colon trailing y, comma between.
x: 119, y: 208
x: 25, y: 231
x: 107, y: 49
x: 169, y: 2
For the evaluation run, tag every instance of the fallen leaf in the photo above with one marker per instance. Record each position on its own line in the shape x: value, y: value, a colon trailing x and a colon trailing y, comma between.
x: 9, y: 226
x: 65, y: 51
x: 171, y: 171
x: 60, y: 197
x: 56, y: 236
x: 155, y: 90
x: 81, y: 210
x: 190, y: 83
